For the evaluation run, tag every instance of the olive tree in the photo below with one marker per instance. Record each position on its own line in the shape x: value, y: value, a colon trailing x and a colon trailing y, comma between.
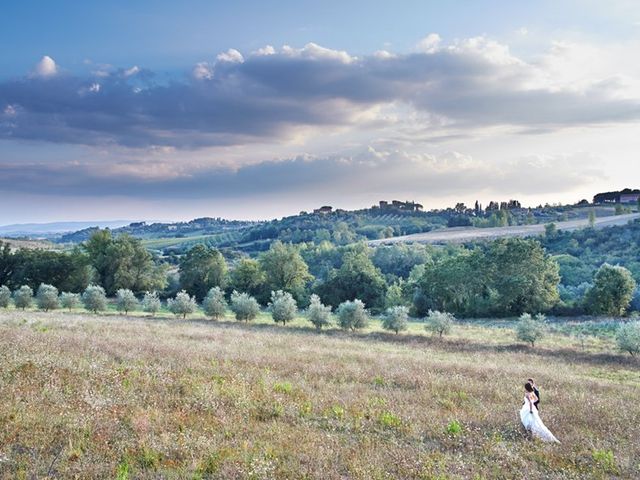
x: 94, y: 299
x: 283, y: 307
x: 126, y: 301
x: 439, y: 323
x: 628, y: 337
x: 317, y: 313
x: 352, y: 315
x: 151, y: 303
x: 396, y: 319
x: 69, y: 300
x: 529, y: 328
x: 183, y: 304
x: 214, y: 304
x: 23, y: 297
x: 244, y: 306
x: 5, y: 296
x: 47, y: 297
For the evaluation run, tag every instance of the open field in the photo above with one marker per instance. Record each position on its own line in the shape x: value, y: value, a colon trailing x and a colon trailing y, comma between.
x: 30, y: 244
x: 125, y: 397
x: 466, y: 234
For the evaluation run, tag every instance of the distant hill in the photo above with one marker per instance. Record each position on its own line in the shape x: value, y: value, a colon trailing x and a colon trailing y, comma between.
x: 47, y: 230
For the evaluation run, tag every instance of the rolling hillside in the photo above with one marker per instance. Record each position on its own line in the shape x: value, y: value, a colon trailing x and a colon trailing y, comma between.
x: 467, y: 234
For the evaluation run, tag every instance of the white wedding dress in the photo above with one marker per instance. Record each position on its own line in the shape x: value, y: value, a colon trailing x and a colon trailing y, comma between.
x: 532, y: 422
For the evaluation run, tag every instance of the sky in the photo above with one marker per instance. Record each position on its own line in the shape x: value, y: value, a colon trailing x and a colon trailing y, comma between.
x: 164, y: 110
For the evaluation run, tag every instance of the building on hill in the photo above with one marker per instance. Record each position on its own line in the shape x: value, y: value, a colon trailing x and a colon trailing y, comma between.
x: 323, y: 210
x: 623, y: 196
x: 398, y: 205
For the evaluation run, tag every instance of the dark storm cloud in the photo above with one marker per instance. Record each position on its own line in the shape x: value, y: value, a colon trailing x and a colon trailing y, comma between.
x: 263, y: 97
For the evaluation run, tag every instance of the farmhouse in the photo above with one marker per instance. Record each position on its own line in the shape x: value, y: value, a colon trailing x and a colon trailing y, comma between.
x: 398, y: 205
x: 623, y: 196
x: 323, y: 210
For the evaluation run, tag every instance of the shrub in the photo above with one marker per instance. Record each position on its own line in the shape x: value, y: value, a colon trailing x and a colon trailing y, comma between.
x: 5, y: 296
x: 396, y: 319
x: 454, y: 428
x: 530, y: 329
x: 317, y: 313
x: 352, y: 315
x: 23, y: 297
x: 283, y: 307
x: 69, y: 300
x: 214, y: 304
x: 439, y: 322
x: 47, y: 297
x: 151, y: 303
x: 94, y: 298
x: 183, y: 304
x: 126, y: 301
x: 628, y: 337
x: 244, y: 306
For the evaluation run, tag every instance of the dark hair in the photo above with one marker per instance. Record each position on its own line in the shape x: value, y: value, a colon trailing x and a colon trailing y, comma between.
x: 530, y: 380
x: 528, y: 387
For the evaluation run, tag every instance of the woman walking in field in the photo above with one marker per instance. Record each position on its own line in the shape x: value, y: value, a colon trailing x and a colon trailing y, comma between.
x: 531, y: 419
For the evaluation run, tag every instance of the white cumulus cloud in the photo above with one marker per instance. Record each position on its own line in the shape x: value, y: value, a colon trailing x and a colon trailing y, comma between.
x: 46, y: 67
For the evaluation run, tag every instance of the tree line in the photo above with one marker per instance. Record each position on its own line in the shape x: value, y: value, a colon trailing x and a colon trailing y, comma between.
x: 506, y: 277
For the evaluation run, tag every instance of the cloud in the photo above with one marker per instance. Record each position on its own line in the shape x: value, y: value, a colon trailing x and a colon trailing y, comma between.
x: 274, y: 94
x: 46, y: 67
x: 365, y: 172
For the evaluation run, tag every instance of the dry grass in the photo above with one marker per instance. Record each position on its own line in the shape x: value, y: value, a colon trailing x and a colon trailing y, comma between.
x: 125, y: 397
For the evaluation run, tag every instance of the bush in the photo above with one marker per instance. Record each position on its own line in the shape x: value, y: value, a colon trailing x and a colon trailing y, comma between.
x: 5, y: 296
x: 244, y: 306
x: 47, y: 297
x: 183, y: 304
x: 530, y: 329
x: 283, y: 307
x: 628, y: 337
x: 214, y: 304
x: 69, y: 300
x: 317, y: 313
x: 23, y: 297
x: 352, y: 315
x: 439, y: 322
x: 396, y: 319
x: 94, y: 299
x: 126, y: 301
x: 151, y: 303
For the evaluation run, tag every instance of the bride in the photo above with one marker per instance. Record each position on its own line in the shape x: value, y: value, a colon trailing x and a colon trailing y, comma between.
x: 531, y: 419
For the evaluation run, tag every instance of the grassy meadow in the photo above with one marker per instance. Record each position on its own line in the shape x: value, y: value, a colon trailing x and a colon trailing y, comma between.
x: 111, y: 396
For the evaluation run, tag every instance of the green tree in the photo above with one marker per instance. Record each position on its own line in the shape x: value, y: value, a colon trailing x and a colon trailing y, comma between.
x: 94, y: 299
x: 395, y: 296
x: 396, y: 319
x: 283, y: 307
x: 439, y: 323
x: 183, y: 304
x: 244, y: 306
x: 248, y: 277
x: 69, y: 300
x: 628, y: 337
x: 357, y: 277
x: 151, y: 303
x: 23, y: 297
x: 352, y: 315
x: 530, y: 329
x: 123, y: 262
x: 317, y: 313
x: 285, y: 269
x: 5, y: 296
x: 201, y: 269
x: 126, y: 301
x: 47, y: 297
x: 612, y: 291
x: 214, y: 304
